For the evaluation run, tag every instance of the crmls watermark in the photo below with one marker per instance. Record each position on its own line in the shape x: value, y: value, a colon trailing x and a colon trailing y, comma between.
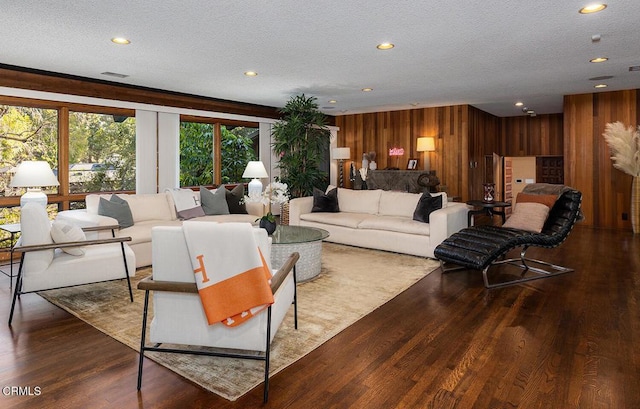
x: 21, y: 391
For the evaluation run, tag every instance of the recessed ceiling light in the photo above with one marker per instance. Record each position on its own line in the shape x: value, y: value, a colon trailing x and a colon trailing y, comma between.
x: 598, y: 59
x: 600, y: 86
x: 367, y: 89
x: 634, y: 68
x: 519, y: 104
x: 332, y: 101
x: 250, y: 73
x: 385, y: 46
x: 593, y: 8
x: 120, y: 40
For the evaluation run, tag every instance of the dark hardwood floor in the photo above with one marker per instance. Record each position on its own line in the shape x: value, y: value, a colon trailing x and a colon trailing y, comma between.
x: 571, y: 341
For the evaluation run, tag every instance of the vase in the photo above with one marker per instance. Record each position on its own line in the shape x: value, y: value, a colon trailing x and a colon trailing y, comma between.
x: 270, y: 227
x: 635, y: 205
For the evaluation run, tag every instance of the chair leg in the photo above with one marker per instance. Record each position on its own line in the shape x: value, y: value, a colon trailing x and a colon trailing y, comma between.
x: 266, y: 357
x: 17, y: 290
x: 295, y: 298
x: 521, y: 263
x: 142, y: 337
x: 126, y: 271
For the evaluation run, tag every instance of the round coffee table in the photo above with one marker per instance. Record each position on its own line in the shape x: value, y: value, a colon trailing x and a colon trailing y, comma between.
x: 488, y: 208
x: 307, y: 241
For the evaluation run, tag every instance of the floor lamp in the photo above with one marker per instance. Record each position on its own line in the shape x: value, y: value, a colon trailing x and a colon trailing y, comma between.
x: 426, y: 144
x: 340, y: 154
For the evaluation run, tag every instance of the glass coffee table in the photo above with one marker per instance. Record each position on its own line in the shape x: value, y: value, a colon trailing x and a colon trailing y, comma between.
x: 307, y: 241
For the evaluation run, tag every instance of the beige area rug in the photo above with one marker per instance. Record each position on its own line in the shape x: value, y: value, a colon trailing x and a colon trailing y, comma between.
x: 353, y: 283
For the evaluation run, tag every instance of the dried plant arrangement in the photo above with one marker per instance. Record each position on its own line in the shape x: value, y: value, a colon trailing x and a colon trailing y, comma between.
x: 625, y: 147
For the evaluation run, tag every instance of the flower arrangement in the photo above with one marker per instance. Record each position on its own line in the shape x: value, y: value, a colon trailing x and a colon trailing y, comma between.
x: 275, y: 193
x: 625, y: 147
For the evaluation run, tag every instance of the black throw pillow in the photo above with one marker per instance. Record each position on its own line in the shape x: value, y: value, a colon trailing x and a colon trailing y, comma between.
x: 325, y: 202
x: 426, y: 205
x: 234, y: 197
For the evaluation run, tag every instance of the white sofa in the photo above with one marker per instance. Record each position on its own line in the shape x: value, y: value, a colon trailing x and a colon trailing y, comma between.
x: 148, y: 211
x: 382, y: 220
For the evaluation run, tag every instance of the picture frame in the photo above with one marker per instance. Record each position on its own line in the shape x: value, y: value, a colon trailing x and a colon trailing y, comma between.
x: 412, y: 164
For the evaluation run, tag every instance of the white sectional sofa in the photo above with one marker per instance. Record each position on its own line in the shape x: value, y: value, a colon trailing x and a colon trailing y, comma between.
x: 148, y: 211
x: 382, y: 220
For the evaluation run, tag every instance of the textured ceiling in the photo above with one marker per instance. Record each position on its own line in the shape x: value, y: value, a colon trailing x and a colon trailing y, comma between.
x: 485, y: 53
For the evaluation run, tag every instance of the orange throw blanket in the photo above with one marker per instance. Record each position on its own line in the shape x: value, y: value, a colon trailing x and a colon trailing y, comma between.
x: 231, y: 273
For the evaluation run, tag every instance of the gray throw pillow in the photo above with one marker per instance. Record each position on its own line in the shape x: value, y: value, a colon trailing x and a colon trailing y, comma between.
x: 233, y: 199
x: 426, y: 205
x: 119, y: 211
x: 214, y: 202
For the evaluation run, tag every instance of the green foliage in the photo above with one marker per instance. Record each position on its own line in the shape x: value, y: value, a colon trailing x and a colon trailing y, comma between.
x: 237, y: 151
x: 196, y: 154
x: 300, y: 140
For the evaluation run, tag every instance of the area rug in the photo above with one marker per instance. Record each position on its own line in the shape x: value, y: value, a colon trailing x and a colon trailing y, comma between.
x: 353, y: 282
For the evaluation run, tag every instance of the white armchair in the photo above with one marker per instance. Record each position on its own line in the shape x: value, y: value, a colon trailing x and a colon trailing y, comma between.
x: 178, y: 315
x: 44, y: 266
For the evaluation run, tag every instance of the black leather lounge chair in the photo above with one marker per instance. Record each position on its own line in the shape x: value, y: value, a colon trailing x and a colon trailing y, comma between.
x: 480, y: 247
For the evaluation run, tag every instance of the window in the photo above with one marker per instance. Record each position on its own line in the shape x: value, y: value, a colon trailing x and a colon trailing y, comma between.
x: 196, y: 154
x: 102, y: 152
x: 238, y: 145
x: 26, y: 133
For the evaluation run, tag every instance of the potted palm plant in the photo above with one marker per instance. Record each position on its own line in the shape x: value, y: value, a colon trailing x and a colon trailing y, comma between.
x: 300, y: 140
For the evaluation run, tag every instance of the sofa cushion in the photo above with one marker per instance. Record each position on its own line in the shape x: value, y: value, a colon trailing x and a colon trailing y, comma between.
x: 359, y: 201
x: 117, y: 209
x: 141, y: 231
x: 235, y: 199
x: 528, y: 216
x: 395, y: 223
x: 62, y: 232
x: 36, y: 229
x: 149, y: 206
x: 214, y: 202
x: 426, y: 205
x: 398, y: 203
x: 344, y: 219
x: 325, y: 202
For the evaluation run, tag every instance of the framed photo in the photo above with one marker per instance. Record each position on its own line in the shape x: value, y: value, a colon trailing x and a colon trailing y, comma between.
x: 412, y: 164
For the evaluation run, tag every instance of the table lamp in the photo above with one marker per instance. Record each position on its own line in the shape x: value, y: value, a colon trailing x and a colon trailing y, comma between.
x: 426, y: 144
x: 340, y: 154
x: 33, y: 175
x: 256, y: 170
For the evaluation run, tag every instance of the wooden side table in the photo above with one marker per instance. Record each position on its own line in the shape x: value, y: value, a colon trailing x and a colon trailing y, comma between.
x: 488, y: 208
x: 12, y: 229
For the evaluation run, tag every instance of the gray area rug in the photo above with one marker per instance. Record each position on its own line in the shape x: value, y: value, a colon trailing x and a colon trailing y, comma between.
x: 353, y: 282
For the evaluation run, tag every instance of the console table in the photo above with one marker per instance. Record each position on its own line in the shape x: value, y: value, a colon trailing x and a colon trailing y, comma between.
x: 413, y: 181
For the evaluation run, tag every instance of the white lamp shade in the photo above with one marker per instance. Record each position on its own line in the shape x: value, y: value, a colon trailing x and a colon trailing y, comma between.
x: 255, y: 169
x: 426, y: 144
x: 34, y: 174
x: 341, y: 153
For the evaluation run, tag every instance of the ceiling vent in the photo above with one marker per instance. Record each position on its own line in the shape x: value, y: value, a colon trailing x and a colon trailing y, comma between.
x: 634, y: 68
x: 114, y: 74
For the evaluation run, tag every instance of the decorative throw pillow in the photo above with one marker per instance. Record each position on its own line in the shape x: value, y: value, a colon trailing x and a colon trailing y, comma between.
x: 62, y: 232
x: 119, y: 211
x: 548, y: 200
x: 214, y: 202
x: 325, y: 202
x: 426, y: 205
x: 528, y: 216
x: 187, y: 203
x: 234, y: 198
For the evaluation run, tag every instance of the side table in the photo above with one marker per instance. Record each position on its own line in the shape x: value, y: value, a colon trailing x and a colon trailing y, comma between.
x: 12, y: 229
x: 488, y: 208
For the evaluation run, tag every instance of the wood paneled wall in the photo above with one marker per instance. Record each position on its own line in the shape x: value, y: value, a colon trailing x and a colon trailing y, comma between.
x: 587, y: 164
x: 381, y: 131
x: 541, y: 135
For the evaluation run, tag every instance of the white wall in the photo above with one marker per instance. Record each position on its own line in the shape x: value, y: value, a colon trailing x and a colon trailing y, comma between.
x: 146, y: 151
